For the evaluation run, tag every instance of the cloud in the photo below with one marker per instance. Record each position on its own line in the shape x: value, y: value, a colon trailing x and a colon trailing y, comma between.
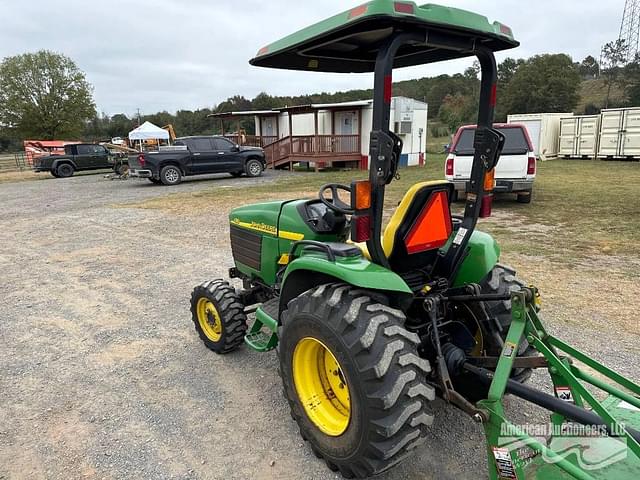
x: 167, y: 55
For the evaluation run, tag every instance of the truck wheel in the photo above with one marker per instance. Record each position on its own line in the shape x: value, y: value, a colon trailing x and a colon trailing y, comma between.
x: 54, y: 173
x: 64, y: 170
x: 253, y: 168
x: 170, y: 175
x: 353, y: 379
x: 218, y: 316
x: 525, y: 197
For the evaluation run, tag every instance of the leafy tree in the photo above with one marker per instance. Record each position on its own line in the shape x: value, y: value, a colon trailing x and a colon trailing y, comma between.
x: 589, y: 67
x: 507, y: 69
x: 631, y: 73
x: 44, y: 95
x: 264, y: 101
x: 457, y: 110
x: 614, y: 55
x: 544, y: 83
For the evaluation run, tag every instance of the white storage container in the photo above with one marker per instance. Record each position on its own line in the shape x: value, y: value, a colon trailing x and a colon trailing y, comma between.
x: 620, y: 133
x: 544, y: 130
x: 579, y: 136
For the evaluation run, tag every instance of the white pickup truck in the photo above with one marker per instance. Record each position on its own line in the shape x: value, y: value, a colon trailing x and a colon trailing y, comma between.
x: 516, y: 170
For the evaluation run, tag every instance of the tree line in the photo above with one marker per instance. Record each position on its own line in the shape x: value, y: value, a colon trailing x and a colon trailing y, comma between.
x: 44, y: 95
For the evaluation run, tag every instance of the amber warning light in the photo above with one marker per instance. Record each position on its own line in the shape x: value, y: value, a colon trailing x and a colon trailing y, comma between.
x: 361, y: 195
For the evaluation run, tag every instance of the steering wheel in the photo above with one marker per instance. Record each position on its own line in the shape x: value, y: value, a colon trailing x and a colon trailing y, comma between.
x: 334, y: 203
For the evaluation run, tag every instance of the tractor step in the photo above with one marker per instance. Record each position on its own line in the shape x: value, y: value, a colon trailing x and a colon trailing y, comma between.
x: 260, y: 338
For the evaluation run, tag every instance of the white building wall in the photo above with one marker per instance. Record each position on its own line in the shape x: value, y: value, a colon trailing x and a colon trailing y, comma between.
x: 303, y: 124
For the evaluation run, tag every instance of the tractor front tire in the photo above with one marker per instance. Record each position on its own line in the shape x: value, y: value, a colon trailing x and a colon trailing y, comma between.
x: 354, y: 380
x: 122, y: 169
x: 218, y: 315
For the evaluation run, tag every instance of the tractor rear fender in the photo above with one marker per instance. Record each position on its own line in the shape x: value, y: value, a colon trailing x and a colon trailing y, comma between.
x: 311, y: 270
x: 484, y: 254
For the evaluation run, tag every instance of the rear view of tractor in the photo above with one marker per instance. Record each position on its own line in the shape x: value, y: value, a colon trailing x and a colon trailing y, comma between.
x: 370, y: 324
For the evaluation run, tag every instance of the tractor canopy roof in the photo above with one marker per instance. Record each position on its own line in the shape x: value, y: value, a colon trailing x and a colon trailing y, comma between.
x: 349, y: 41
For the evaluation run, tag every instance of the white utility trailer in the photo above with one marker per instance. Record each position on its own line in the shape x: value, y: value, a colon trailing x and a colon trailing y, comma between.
x: 620, y: 133
x: 579, y: 136
x: 544, y: 130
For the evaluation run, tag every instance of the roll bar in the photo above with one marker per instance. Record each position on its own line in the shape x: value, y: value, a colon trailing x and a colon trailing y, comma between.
x: 386, y: 147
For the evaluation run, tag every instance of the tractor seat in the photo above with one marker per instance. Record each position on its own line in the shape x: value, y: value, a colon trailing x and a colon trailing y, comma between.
x: 424, y: 207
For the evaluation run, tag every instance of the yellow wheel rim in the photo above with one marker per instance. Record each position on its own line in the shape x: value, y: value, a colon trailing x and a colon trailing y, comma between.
x: 209, y: 320
x: 321, y: 386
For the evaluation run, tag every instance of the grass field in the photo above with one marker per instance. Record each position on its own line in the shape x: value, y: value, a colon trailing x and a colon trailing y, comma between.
x: 580, y: 236
x: 580, y: 209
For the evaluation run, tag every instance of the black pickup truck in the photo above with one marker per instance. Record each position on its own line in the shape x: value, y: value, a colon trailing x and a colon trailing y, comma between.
x: 77, y: 157
x: 196, y: 156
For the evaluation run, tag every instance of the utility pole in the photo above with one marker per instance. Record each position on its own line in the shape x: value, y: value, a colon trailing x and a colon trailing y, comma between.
x: 138, y: 110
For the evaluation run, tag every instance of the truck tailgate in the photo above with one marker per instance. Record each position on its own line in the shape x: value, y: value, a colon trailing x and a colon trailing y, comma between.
x: 512, y: 166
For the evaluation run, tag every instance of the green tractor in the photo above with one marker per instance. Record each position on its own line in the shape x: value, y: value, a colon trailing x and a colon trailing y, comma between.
x: 371, y: 324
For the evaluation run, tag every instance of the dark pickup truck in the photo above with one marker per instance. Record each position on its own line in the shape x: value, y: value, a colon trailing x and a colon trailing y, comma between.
x: 77, y: 157
x: 196, y: 156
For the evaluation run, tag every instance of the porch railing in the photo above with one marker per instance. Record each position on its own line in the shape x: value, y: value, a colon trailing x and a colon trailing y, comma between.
x: 252, y: 140
x: 310, y: 146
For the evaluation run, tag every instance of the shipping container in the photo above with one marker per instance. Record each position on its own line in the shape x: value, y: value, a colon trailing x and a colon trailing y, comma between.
x: 579, y: 136
x: 544, y: 130
x: 620, y: 133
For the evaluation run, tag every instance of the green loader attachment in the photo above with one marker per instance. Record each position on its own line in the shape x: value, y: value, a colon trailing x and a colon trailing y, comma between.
x: 371, y: 320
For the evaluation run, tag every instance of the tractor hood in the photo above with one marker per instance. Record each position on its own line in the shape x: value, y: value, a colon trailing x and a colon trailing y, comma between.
x: 259, y: 217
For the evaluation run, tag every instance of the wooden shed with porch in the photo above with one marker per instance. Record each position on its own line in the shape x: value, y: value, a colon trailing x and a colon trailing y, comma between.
x: 332, y: 134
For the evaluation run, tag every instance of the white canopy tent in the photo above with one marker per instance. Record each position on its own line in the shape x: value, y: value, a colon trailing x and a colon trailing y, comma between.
x: 148, y: 131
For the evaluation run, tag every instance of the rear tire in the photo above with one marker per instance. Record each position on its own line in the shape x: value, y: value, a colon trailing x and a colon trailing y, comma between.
x: 502, y: 280
x: 218, y: 315
x: 253, y: 168
x: 386, y: 399
x: 525, y: 197
x: 64, y: 170
x: 170, y: 175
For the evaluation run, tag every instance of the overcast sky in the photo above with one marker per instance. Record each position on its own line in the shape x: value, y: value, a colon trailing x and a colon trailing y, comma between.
x: 171, y: 54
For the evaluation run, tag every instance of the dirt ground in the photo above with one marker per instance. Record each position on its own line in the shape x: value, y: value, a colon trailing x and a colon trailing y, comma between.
x: 102, y: 375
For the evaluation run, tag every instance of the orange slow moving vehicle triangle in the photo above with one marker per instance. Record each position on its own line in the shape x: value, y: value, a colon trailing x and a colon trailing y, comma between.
x: 432, y: 227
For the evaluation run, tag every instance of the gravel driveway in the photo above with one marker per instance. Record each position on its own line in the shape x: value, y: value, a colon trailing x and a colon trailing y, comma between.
x: 103, y: 376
